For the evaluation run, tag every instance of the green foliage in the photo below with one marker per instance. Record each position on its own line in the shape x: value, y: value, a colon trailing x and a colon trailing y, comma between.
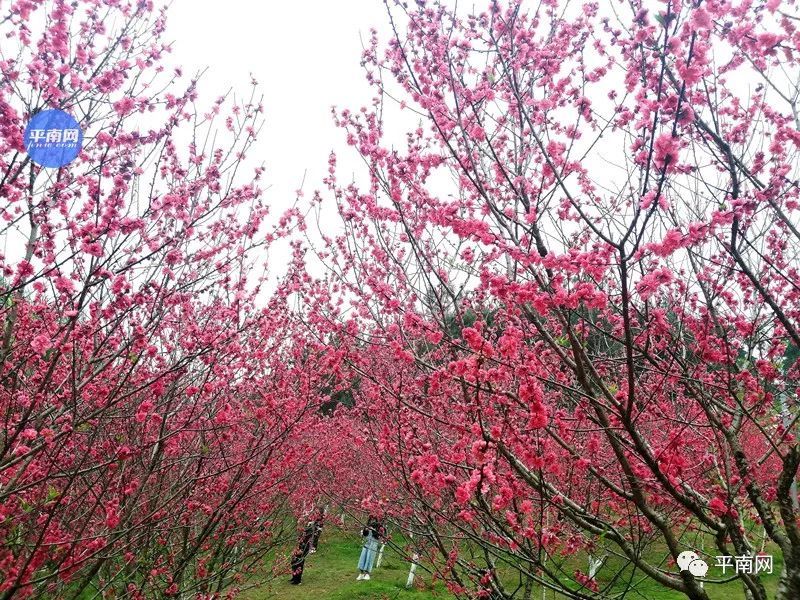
x: 339, y: 395
x: 790, y: 356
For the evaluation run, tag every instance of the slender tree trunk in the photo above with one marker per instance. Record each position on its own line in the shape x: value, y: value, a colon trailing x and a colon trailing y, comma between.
x: 413, y: 571
x: 380, y: 556
x: 788, y: 585
x: 527, y: 592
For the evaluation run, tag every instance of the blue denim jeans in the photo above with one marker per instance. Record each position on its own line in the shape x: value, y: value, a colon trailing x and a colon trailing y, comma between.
x: 368, y: 552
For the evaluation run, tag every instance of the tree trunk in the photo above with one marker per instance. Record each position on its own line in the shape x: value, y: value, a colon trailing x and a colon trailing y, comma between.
x: 527, y: 592
x: 412, y: 572
x: 788, y: 585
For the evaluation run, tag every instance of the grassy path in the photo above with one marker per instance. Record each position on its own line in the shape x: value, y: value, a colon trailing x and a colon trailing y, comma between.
x: 330, y: 574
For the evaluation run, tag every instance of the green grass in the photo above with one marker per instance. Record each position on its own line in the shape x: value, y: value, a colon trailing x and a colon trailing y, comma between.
x: 644, y: 588
x: 330, y: 574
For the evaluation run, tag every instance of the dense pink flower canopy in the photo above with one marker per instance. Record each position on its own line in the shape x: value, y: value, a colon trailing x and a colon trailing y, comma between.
x: 560, y: 321
x: 153, y: 409
x: 572, y: 294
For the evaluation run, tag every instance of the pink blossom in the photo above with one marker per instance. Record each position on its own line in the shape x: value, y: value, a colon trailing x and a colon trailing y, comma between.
x: 64, y: 285
x: 666, y: 152
x: 41, y: 343
x: 700, y: 19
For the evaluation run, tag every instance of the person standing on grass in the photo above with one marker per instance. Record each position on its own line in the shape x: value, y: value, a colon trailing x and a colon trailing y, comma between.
x: 371, y: 536
x: 318, y: 521
x: 300, y: 553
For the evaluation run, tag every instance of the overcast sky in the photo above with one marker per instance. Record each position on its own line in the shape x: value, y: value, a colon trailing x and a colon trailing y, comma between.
x: 304, y: 53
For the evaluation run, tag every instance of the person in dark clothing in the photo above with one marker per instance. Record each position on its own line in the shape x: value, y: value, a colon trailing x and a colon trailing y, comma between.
x: 318, y: 521
x: 300, y: 553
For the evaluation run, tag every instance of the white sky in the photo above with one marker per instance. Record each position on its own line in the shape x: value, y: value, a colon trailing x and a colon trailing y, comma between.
x: 304, y: 53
